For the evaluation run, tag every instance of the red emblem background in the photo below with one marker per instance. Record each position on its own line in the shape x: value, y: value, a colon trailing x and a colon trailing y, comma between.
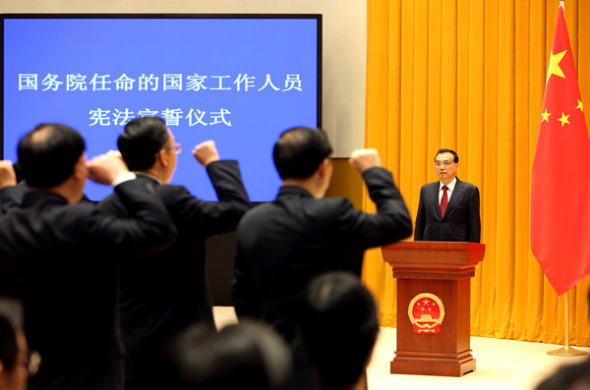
x: 426, y: 312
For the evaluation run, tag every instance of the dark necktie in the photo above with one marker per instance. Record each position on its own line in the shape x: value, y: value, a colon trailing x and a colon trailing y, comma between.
x: 444, y: 201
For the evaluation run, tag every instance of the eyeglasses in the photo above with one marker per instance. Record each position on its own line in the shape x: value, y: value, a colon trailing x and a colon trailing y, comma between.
x: 439, y: 164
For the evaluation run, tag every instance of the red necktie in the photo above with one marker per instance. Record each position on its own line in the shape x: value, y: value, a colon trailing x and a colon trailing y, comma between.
x: 444, y: 201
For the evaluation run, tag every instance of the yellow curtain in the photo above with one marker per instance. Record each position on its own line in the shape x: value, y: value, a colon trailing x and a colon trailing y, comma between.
x: 470, y: 76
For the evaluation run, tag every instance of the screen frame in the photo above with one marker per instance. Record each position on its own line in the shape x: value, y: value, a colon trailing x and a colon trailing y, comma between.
x: 48, y: 16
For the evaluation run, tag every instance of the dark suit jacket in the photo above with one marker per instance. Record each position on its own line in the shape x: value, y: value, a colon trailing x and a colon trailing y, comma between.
x: 12, y: 196
x: 461, y: 221
x: 282, y: 245
x: 58, y: 259
x: 163, y: 295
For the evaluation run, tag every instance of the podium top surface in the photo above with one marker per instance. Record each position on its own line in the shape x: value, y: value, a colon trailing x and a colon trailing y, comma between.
x: 433, y: 253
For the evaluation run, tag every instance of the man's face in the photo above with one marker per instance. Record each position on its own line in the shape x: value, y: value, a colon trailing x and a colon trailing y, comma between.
x: 446, y: 167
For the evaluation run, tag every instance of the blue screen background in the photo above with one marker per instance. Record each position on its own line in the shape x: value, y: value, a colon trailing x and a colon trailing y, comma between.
x: 208, y: 47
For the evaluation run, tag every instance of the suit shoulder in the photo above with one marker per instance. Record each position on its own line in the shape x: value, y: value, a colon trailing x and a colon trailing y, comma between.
x: 327, y: 205
x: 171, y: 189
x: 257, y: 211
x: 336, y: 202
x: 429, y: 186
x: 469, y: 185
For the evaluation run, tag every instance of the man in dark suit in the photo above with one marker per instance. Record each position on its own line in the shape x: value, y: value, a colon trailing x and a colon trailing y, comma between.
x: 162, y: 296
x: 285, y: 243
x: 58, y: 256
x: 448, y: 209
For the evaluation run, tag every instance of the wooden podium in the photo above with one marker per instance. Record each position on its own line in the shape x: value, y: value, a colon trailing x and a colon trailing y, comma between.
x: 433, y: 312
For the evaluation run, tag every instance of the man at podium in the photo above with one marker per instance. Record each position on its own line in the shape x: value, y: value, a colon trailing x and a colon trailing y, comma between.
x: 449, y: 208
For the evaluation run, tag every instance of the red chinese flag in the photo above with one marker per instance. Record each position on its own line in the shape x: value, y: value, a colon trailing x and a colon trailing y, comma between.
x: 560, y: 180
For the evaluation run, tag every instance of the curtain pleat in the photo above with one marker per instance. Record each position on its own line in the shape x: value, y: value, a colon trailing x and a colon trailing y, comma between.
x: 470, y: 76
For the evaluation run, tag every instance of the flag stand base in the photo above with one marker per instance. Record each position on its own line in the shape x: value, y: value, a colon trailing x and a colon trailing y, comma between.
x: 566, y: 351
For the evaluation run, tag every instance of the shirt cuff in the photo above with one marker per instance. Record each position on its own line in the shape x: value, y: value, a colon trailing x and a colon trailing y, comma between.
x: 124, y: 177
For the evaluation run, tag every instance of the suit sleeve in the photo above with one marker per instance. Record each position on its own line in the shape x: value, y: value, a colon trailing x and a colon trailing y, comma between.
x: 245, y: 295
x: 209, y: 217
x: 9, y: 197
x: 420, y: 219
x: 148, y: 224
x: 390, y: 224
x: 474, y: 222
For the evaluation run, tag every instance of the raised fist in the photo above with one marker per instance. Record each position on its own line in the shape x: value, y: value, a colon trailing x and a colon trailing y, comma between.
x: 363, y: 159
x: 206, y: 153
x: 105, y: 168
x: 7, y: 174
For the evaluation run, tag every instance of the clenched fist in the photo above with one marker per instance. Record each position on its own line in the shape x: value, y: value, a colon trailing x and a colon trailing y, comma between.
x: 7, y: 174
x: 105, y: 168
x: 363, y: 159
x: 206, y: 153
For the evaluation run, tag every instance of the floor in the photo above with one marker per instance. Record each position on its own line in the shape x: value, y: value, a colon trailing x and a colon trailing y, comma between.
x: 501, y: 364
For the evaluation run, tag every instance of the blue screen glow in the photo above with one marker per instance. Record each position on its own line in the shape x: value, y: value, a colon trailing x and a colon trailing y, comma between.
x: 239, y: 81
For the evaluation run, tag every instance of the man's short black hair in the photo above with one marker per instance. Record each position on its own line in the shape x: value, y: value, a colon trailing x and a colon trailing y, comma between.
x: 299, y: 152
x: 141, y: 142
x: 568, y: 377
x: 11, y: 319
x: 48, y: 153
x: 249, y: 354
x: 339, y: 326
x: 455, y: 155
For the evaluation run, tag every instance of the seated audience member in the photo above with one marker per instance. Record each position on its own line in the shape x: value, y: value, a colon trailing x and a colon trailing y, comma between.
x: 248, y: 355
x: 16, y: 362
x: 568, y: 377
x: 58, y: 256
x: 339, y: 327
x: 160, y: 297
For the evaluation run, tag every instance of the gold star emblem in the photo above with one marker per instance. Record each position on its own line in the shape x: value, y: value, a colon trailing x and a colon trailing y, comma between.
x: 580, y: 106
x: 554, y: 65
x: 564, y: 119
x: 545, y: 116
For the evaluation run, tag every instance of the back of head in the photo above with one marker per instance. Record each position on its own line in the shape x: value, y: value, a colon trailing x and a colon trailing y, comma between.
x: 247, y: 354
x: 339, y: 326
x: 11, y: 319
x: 48, y: 153
x: 141, y: 141
x: 568, y: 377
x: 299, y: 152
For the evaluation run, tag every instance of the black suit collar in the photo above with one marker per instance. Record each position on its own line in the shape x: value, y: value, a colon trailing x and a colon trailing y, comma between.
x: 457, y: 193
x: 148, y: 176
x: 35, y: 196
x: 293, y: 190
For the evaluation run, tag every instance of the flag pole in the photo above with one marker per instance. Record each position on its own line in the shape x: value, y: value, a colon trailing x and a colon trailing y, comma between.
x: 567, y: 350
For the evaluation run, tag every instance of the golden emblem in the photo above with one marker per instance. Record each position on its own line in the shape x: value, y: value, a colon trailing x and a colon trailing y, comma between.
x: 426, y: 312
